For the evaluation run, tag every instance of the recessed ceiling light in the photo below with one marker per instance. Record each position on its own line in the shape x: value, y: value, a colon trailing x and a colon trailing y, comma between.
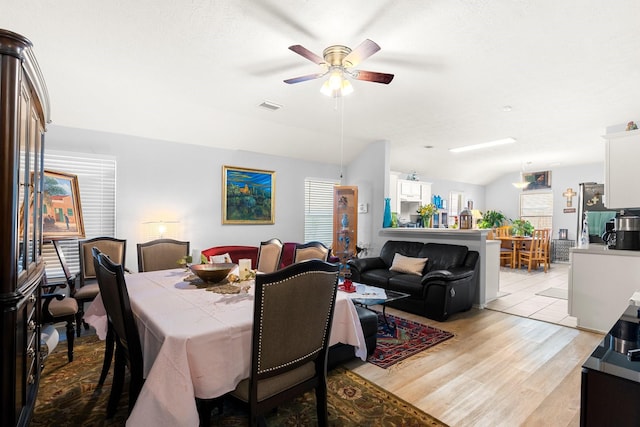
x: 507, y: 108
x: 483, y: 145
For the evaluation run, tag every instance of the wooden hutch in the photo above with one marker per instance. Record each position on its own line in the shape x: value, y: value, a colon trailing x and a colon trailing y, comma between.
x: 24, y: 112
x: 345, y: 224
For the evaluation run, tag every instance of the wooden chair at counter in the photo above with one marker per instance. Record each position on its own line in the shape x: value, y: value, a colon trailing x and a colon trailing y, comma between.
x: 538, y: 252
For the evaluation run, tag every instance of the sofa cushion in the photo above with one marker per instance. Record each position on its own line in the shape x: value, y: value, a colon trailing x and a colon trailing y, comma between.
x: 409, y: 265
x: 407, y: 283
x: 377, y: 277
x: 443, y: 256
x: 393, y: 247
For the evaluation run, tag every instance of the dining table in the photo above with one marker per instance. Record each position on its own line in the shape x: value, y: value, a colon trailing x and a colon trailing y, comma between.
x: 196, y: 343
x: 517, y: 244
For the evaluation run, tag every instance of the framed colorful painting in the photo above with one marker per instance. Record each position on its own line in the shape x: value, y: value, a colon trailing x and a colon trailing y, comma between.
x: 537, y: 180
x: 61, y: 209
x: 248, y: 196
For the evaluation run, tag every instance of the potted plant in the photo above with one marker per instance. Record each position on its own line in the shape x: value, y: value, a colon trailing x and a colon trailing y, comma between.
x: 522, y: 227
x: 492, y: 219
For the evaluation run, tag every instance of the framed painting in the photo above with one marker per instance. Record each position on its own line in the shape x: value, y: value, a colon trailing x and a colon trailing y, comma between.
x: 537, y: 180
x: 248, y: 196
x: 61, y: 209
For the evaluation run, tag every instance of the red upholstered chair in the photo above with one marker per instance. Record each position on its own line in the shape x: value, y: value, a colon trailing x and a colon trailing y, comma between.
x: 235, y: 252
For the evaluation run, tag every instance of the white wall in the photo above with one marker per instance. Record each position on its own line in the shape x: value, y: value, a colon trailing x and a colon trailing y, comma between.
x: 370, y: 172
x: 159, y: 180
x: 501, y: 195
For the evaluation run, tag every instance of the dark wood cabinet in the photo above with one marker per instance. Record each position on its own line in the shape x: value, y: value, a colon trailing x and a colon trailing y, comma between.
x: 24, y: 112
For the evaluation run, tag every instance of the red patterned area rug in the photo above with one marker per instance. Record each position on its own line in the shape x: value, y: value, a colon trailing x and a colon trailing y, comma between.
x: 403, y: 338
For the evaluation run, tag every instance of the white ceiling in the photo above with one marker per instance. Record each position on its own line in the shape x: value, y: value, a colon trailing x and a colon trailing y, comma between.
x: 196, y: 71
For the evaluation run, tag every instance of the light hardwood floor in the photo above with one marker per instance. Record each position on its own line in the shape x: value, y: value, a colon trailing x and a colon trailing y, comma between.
x: 500, y: 369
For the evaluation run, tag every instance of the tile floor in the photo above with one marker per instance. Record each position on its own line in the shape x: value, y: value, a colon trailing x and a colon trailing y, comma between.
x: 518, y: 289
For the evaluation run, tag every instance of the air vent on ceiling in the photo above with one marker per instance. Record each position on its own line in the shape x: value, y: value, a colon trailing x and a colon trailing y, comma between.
x: 271, y: 106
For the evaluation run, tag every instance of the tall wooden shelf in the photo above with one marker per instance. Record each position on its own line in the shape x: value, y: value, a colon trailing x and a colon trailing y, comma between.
x: 24, y: 112
x: 345, y: 223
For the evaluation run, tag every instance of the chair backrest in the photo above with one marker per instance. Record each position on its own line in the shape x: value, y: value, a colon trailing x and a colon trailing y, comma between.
x: 161, y: 254
x: 286, y: 339
x: 115, y: 249
x: 540, y: 242
x: 269, y: 254
x: 115, y: 297
x: 503, y: 231
x: 311, y: 250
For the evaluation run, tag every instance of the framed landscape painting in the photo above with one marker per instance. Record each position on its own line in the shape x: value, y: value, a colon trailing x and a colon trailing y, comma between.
x: 61, y: 209
x: 248, y: 196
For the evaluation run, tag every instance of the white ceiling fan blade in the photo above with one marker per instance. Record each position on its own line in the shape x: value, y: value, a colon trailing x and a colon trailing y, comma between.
x: 360, y: 53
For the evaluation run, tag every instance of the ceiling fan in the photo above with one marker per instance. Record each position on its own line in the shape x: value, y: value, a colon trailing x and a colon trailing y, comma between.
x: 338, y: 61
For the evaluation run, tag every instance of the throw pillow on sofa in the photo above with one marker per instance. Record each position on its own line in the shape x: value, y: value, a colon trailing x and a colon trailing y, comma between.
x: 224, y: 258
x: 409, y: 265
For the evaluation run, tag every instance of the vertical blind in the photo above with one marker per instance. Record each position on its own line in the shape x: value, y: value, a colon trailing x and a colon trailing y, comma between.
x: 97, y: 186
x: 318, y: 210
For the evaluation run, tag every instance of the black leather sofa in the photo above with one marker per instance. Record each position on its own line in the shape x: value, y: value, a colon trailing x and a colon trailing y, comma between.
x: 340, y: 353
x: 446, y: 286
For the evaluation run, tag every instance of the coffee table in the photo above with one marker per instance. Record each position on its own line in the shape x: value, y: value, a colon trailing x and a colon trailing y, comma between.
x: 373, y: 295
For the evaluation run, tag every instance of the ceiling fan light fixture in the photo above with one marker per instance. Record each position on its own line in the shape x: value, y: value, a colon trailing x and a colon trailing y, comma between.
x: 336, y: 85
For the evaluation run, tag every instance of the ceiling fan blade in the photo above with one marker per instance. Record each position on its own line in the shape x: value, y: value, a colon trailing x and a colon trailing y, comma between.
x: 304, y: 78
x: 303, y: 51
x: 372, y: 76
x: 360, y: 53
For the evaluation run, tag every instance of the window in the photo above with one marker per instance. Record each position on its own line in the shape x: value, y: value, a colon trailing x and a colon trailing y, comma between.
x: 318, y: 210
x: 537, y: 208
x: 97, y: 185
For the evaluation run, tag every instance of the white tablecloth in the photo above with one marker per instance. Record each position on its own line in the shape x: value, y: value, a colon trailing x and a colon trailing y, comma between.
x: 197, y: 343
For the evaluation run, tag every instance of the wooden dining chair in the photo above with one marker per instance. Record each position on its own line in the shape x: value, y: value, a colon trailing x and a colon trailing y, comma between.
x: 269, y: 254
x: 287, y: 361
x: 537, y: 252
x: 311, y: 250
x: 87, y: 288
x: 161, y: 254
x: 503, y: 231
x: 115, y: 297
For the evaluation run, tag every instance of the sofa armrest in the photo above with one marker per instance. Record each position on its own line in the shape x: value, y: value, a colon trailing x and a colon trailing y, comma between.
x: 450, y: 275
x: 364, y: 264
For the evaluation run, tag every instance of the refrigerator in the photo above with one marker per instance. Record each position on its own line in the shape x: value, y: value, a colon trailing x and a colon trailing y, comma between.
x: 591, y: 205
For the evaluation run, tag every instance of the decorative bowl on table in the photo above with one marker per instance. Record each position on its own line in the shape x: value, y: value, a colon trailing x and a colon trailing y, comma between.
x: 212, y: 273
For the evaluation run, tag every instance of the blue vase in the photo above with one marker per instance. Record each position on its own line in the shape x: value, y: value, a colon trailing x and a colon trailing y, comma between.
x: 386, y: 219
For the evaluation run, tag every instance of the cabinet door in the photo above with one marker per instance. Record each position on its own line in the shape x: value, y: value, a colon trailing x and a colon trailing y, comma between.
x: 345, y: 222
x: 623, y: 152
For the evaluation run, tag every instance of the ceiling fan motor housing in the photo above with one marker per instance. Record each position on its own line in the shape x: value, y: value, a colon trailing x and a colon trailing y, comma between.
x: 333, y: 55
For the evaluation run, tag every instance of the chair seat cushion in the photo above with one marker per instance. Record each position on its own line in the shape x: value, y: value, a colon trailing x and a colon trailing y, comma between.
x: 274, y: 385
x: 87, y: 292
x: 65, y: 307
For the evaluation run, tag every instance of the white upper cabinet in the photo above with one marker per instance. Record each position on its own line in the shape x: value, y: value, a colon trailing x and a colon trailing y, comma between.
x: 622, y: 167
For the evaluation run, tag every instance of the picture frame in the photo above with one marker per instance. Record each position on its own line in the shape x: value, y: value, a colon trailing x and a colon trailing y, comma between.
x: 537, y: 180
x: 248, y: 195
x: 61, y: 208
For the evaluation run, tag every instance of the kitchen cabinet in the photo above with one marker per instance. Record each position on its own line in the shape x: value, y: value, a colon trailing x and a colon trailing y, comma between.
x: 24, y: 112
x: 601, y: 281
x: 621, y: 170
x: 410, y: 195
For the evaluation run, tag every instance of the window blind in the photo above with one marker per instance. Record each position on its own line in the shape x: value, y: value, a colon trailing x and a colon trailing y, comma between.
x: 537, y: 208
x: 318, y: 210
x: 97, y: 186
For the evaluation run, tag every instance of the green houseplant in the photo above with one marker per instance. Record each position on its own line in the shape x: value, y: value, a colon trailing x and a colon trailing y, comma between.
x: 522, y: 227
x: 492, y: 219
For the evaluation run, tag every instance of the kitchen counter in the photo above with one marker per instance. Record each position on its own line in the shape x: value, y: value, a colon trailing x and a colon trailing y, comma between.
x: 600, y: 283
x: 475, y: 240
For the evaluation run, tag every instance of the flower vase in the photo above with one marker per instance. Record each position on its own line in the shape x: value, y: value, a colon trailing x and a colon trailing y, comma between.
x: 426, y: 221
x: 386, y: 219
